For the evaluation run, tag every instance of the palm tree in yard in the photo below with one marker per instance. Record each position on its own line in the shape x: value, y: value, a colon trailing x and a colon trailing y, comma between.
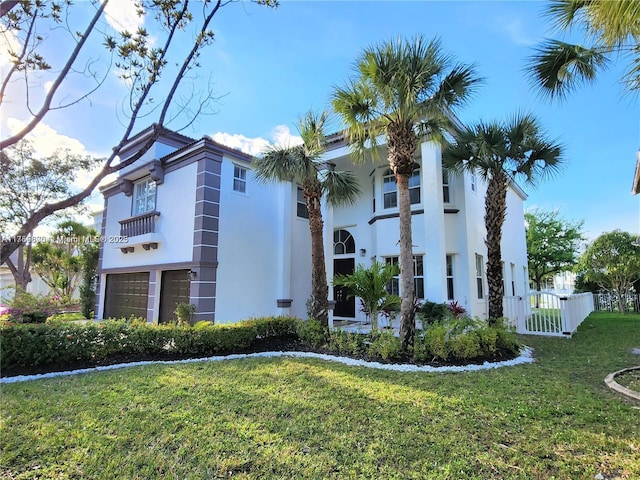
x: 499, y: 152
x: 303, y: 165
x: 400, y: 91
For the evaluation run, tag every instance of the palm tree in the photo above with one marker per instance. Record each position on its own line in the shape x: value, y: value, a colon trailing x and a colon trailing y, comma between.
x: 303, y: 165
x: 401, y: 91
x: 614, y: 28
x: 369, y: 283
x: 500, y: 152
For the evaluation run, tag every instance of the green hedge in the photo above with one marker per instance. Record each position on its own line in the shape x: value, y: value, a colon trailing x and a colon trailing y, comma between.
x: 66, y: 344
x: 29, y: 345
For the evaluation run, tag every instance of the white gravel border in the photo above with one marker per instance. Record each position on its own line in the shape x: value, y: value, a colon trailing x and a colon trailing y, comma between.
x: 526, y: 356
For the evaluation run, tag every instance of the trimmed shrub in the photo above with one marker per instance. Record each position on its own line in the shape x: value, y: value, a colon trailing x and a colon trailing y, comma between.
x: 312, y: 332
x: 386, y: 345
x: 432, y: 312
x: 347, y: 343
x: 29, y: 345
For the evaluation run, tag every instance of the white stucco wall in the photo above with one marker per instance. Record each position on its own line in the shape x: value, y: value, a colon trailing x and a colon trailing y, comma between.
x: 175, y: 200
x: 249, y: 263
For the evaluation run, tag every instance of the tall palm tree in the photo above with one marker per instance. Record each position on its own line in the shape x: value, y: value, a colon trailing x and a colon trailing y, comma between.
x: 612, y: 26
x: 401, y: 90
x: 500, y: 152
x: 303, y: 165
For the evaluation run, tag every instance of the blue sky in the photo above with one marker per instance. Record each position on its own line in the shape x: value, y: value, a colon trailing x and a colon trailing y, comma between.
x: 273, y: 65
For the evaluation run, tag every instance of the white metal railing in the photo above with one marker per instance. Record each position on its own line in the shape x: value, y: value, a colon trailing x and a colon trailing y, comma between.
x: 545, y: 313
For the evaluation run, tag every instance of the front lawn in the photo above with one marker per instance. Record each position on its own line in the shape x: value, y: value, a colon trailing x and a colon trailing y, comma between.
x: 295, y: 418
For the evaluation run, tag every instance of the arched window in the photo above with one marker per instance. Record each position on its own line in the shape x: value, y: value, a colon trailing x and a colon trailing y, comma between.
x: 343, y: 243
x: 390, y: 189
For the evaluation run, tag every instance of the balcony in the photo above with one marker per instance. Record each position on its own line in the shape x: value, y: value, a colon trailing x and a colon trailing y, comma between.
x: 139, y: 225
x: 139, y: 231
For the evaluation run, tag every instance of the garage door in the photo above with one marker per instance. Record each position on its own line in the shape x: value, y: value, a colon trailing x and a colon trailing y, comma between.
x: 126, y: 294
x: 175, y: 289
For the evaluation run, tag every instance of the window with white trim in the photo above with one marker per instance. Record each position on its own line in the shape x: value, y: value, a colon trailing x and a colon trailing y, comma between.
x: 390, y: 187
x: 144, y: 197
x: 451, y: 294
x: 474, y: 186
x: 301, y: 204
x: 480, y: 276
x: 343, y: 242
x: 239, y: 179
x: 393, y: 286
x: 446, y: 189
x: 373, y: 191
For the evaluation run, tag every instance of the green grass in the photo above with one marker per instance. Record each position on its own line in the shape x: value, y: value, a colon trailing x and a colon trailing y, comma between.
x: 295, y: 419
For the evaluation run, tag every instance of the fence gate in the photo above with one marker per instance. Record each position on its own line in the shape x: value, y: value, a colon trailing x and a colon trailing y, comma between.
x: 546, y: 313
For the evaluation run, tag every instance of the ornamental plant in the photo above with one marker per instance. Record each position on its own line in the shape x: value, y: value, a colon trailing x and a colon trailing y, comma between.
x: 28, y: 308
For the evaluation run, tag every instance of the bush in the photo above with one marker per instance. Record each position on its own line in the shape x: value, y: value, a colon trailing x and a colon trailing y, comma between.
x: 347, y: 343
x: 25, y: 307
x: 29, y: 345
x: 431, y: 312
x: 386, y: 345
x: 312, y: 332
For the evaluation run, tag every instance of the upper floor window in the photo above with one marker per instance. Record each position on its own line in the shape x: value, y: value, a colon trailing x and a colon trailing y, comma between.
x: 446, y: 189
x: 239, y: 179
x: 301, y: 204
x: 474, y: 185
x: 414, y: 185
x: 373, y: 191
x: 144, y: 197
x: 390, y: 188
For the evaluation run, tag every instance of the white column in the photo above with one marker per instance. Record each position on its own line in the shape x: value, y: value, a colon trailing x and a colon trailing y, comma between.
x: 434, y: 227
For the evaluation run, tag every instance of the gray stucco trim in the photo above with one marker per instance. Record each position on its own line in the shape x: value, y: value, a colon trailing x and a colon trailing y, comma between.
x: 206, y: 236
x: 103, y: 229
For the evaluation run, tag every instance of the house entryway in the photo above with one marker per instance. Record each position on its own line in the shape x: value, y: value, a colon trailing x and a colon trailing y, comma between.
x: 175, y: 288
x: 344, y: 249
x: 345, y: 307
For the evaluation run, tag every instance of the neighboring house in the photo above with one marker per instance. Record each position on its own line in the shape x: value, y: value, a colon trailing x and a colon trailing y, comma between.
x: 188, y: 223
x: 36, y: 286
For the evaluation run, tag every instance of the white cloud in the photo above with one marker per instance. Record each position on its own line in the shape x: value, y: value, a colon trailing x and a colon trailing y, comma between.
x: 46, y: 140
x: 280, y: 136
x: 8, y: 42
x: 122, y: 15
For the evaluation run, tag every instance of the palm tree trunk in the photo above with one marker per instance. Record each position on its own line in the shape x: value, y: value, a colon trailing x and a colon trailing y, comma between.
x: 407, y: 312
x: 495, y: 214
x: 319, y: 289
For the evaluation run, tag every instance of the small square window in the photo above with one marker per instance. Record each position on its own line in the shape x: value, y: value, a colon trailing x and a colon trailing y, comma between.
x: 239, y: 179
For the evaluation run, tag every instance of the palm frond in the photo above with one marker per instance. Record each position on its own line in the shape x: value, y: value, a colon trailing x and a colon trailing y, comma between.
x: 558, y: 67
x: 313, y: 132
x: 565, y: 13
x: 341, y: 187
x: 280, y: 164
x: 458, y: 86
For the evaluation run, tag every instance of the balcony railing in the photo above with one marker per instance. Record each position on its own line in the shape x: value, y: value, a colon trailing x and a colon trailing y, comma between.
x: 139, y: 225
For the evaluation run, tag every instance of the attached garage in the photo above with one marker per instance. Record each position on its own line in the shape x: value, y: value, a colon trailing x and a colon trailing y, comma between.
x: 126, y: 294
x: 175, y: 289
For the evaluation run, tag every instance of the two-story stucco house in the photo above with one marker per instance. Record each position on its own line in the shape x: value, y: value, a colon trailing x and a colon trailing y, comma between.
x: 187, y: 222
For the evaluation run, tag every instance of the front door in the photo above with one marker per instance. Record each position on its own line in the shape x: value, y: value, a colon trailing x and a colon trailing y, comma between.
x: 345, y: 307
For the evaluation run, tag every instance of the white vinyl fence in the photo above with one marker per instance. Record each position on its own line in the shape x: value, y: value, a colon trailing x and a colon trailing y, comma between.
x: 545, y: 313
